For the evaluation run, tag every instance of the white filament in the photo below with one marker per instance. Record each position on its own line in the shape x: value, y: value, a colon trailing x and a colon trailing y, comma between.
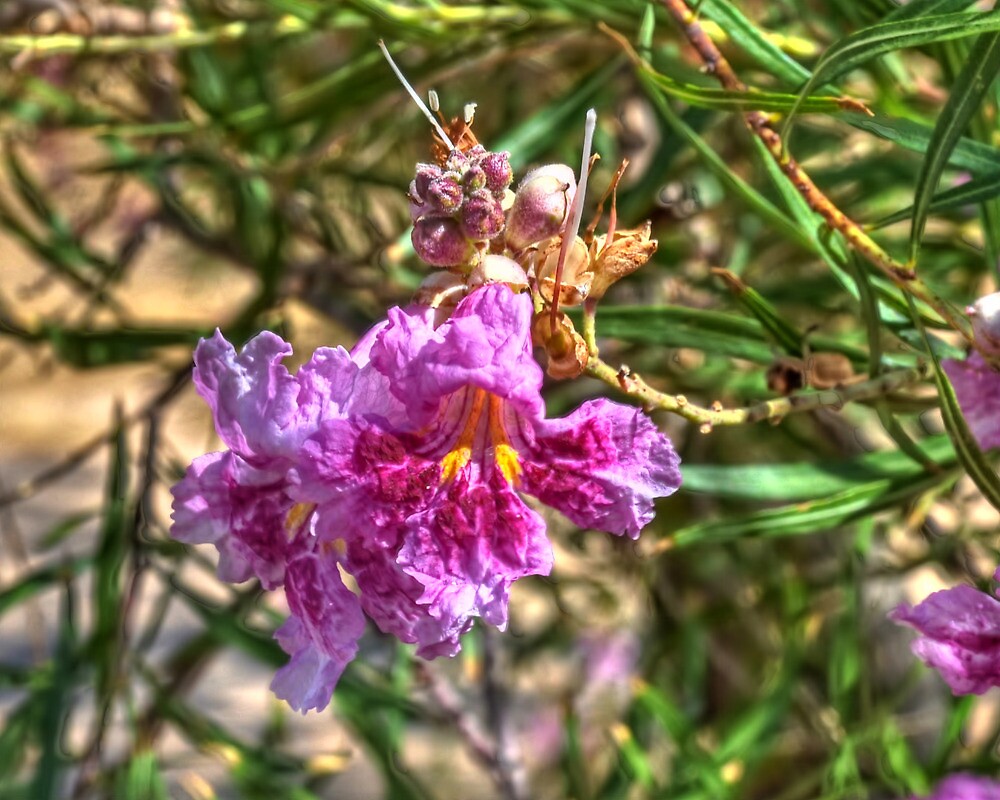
x: 416, y: 98
x: 573, y: 226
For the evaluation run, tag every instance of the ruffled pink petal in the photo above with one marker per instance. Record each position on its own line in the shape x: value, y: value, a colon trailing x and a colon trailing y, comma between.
x: 365, y: 480
x: 390, y: 598
x: 261, y: 411
x: 960, y: 637
x: 602, y: 466
x: 251, y: 394
x: 321, y: 634
x: 241, y: 510
x: 977, y: 386
x: 485, y: 344
x: 469, y: 545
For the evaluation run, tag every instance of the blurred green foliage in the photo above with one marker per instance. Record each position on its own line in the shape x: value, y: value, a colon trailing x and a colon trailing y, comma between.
x: 270, y: 135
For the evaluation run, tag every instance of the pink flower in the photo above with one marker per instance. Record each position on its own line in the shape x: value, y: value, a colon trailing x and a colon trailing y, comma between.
x: 239, y: 500
x: 962, y: 786
x: 960, y: 637
x: 977, y: 386
x: 976, y: 382
x: 435, y: 484
x: 404, y: 464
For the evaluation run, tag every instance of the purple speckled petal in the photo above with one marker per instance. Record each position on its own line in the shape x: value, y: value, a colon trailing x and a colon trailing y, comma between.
x: 364, y: 479
x: 977, y: 386
x: 963, y: 786
x: 390, y: 597
x: 321, y: 634
x: 469, y: 545
x: 241, y: 510
x: 602, y: 466
x: 486, y: 344
x: 960, y: 637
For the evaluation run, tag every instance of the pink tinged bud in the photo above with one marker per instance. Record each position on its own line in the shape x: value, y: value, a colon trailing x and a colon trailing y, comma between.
x: 498, y: 171
x: 457, y: 161
x: 421, y: 183
x: 541, y: 205
x: 498, y: 269
x: 474, y: 179
x: 445, y: 195
x: 440, y: 242
x: 985, y: 316
x: 419, y: 188
x: 442, y: 291
x: 482, y: 216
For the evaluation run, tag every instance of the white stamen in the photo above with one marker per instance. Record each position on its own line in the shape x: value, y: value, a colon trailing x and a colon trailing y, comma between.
x: 432, y: 100
x: 573, y: 226
x: 470, y: 112
x: 576, y: 214
x: 416, y: 97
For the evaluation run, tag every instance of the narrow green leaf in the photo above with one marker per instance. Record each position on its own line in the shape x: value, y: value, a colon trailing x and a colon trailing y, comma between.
x: 678, y: 326
x: 745, y: 34
x: 743, y: 190
x: 752, y: 99
x: 54, y: 704
x: 968, y: 154
x: 926, y: 8
x: 142, y: 779
x: 866, y: 44
x: 769, y: 483
x: 966, y: 96
x: 812, y: 516
x: 980, y: 188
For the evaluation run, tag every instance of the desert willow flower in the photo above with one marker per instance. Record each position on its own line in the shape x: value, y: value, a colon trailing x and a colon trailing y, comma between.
x: 404, y: 462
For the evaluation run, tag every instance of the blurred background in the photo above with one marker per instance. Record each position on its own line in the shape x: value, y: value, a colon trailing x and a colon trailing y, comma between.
x: 170, y: 166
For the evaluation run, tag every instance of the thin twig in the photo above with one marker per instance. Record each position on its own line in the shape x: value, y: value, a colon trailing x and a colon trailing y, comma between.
x: 624, y: 380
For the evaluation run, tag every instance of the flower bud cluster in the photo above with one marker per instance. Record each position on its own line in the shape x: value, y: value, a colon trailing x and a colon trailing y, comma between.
x: 459, y: 208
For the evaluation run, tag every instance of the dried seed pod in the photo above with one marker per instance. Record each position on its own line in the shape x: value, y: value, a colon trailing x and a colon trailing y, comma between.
x: 612, y: 261
x: 565, y: 348
x: 575, y: 286
x: 817, y: 371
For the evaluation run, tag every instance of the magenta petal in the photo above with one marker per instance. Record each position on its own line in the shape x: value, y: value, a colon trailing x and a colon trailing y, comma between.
x: 485, y: 344
x: 469, y: 546
x: 602, y: 466
x: 321, y: 634
x: 960, y: 637
x: 389, y: 596
x: 977, y: 386
x: 241, y: 510
x: 365, y: 480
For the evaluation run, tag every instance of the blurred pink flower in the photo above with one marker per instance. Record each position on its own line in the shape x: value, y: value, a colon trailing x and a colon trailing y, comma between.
x: 962, y: 786
x: 960, y: 637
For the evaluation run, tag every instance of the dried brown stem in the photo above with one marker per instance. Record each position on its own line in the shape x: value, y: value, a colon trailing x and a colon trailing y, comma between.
x: 628, y: 382
x: 760, y: 125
